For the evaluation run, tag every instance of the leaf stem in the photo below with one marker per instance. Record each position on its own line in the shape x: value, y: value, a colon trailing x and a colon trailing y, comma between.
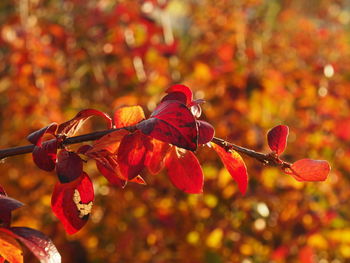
x: 270, y: 159
x: 71, y: 140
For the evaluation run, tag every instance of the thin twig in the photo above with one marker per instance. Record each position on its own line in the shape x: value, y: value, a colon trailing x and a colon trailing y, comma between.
x: 270, y: 159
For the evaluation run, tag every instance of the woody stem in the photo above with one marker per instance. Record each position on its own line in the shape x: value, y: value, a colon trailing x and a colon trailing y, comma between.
x: 266, y: 159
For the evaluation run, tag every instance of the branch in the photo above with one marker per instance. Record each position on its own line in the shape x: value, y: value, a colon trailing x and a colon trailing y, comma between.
x: 267, y: 159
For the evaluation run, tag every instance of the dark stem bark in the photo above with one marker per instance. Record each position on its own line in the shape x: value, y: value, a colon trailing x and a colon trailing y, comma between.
x: 270, y: 159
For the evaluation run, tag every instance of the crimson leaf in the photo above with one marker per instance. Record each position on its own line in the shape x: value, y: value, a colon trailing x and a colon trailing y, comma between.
x: 44, y: 156
x: 172, y: 122
x: 69, y: 166
x: 72, y: 203
x: 184, y: 171
x: 277, y: 138
x: 235, y: 166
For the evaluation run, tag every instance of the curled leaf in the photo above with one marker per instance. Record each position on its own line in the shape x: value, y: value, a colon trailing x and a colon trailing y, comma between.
x: 128, y: 116
x: 36, y: 137
x: 172, y: 122
x: 310, y: 170
x: 234, y: 165
x: 69, y: 166
x: 45, y: 156
x: 70, y: 127
x: 72, y: 203
x: 277, y: 138
x: 205, y: 132
x: 7, y: 205
x: 196, y: 108
x: 184, y: 171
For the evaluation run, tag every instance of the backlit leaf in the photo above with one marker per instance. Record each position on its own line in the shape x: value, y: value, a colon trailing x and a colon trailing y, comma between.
x: 172, y: 122
x: 70, y: 127
x: 310, y: 170
x: 156, y: 155
x: 36, y: 137
x: 69, y: 166
x: 184, y: 171
x: 10, y: 249
x: 128, y: 116
x: 39, y: 244
x: 132, y: 153
x: 45, y: 156
x: 205, y: 132
x: 277, y: 138
x: 108, y: 166
x: 72, y: 203
x: 234, y: 165
x: 109, y: 142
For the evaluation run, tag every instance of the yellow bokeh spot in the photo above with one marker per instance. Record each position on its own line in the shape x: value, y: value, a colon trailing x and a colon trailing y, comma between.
x: 202, y: 72
x: 345, y: 250
x: 224, y: 178
x: 92, y: 242
x: 151, y: 239
x: 318, y: 241
x: 210, y: 200
x: 215, y: 238
x: 246, y: 249
x: 193, y: 237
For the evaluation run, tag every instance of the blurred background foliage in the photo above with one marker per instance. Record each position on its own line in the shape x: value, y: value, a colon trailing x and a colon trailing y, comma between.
x: 257, y: 64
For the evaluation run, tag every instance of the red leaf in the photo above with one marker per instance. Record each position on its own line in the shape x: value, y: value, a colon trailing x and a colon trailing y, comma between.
x: 172, y: 122
x: 184, y: 171
x: 205, y: 132
x: 128, y: 116
x: 69, y: 166
x: 44, y: 156
x: 310, y: 170
x: 155, y: 156
x: 36, y: 137
x: 180, y: 93
x: 72, y: 203
x: 10, y: 249
x: 277, y: 138
x: 177, y: 96
x: 110, y: 142
x: 84, y: 148
x: 70, y: 127
x: 235, y: 166
x: 7, y: 205
x: 131, y: 154
x: 40, y: 245
x: 109, y: 168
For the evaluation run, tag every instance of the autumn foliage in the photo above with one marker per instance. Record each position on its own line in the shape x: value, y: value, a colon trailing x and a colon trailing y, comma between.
x: 166, y: 131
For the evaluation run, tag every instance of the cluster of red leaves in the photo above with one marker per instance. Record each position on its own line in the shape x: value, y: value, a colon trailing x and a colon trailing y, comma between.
x: 302, y: 170
x: 167, y: 139
x: 10, y: 250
